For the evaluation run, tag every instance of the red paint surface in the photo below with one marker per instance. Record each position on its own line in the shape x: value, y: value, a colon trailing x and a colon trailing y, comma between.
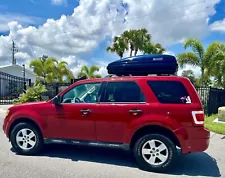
x: 112, y: 122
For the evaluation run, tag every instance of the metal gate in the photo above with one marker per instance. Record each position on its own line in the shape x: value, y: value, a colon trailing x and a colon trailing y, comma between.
x: 11, y: 87
x: 216, y: 100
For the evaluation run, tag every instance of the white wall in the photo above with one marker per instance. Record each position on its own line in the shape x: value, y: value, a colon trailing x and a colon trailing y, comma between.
x: 17, y: 71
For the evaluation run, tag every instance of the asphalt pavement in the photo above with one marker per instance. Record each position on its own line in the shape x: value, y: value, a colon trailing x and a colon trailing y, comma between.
x: 58, y: 161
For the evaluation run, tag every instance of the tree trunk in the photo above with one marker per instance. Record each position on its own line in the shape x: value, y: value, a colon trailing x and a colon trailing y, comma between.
x: 131, y: 51
x: 136, y: 51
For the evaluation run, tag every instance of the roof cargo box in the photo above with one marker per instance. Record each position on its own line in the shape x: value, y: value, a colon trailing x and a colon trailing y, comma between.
x: 158, y: 64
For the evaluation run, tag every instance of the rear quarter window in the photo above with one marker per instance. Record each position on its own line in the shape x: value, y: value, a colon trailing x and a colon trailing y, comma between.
x: 171, y: 92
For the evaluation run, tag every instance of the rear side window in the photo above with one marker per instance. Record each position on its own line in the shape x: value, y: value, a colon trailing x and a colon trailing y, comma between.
x: 172, y: 92
x: 123, y: 92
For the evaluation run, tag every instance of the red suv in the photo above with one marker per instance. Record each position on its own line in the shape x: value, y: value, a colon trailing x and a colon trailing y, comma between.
x: 149, y: 115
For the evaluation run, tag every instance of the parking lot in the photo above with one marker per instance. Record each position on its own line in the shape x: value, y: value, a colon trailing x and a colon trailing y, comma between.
x: 71, y: 161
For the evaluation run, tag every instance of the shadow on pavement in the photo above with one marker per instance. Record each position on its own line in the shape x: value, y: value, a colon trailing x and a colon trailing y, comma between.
x: 195, y: 164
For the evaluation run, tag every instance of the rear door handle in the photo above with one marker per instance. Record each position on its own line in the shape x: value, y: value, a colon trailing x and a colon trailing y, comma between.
x: 85, y: 112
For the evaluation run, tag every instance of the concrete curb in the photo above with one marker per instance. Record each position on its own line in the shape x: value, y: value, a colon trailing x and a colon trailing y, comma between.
x: 217, y: 121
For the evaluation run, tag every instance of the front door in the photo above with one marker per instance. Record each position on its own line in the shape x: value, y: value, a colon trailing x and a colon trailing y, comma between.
x: 122, y: 104
x: 75, y: 117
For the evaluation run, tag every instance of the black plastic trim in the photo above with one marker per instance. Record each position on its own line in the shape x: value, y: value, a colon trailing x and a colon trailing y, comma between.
x: 86, y: 143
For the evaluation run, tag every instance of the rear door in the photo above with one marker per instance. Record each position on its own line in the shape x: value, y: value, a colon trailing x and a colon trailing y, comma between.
x: 174, y: 100
x: 123, y: 102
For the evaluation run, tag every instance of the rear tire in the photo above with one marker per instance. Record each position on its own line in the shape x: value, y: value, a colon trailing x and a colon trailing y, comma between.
x: 26, y: 139
x: 155, y: 152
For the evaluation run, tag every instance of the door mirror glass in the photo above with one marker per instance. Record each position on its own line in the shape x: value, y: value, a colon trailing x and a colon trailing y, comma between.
x: 56, y: 100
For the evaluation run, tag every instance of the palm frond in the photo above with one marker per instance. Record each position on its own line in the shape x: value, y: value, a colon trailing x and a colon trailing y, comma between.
x: 196, y: 46
x: 188, y: 58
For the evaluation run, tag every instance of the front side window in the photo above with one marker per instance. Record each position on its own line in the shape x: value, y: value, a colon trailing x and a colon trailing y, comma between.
x: 171, y: 92
x: 84, y: 93
x: 123, y: 92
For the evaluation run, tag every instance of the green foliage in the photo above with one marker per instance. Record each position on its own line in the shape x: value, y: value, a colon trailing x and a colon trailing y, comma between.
x: 211, y: 61
x: 89, y: 72
x: 32, y: 94
x: 214, y: 127
x: 190, y: 75
x: 134, y: 41
x: 50, y: 70
x: 119, y: 46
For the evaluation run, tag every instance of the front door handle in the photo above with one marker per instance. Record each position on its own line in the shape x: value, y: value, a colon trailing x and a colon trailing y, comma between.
x: 135, y: 111
x: 85, y: 112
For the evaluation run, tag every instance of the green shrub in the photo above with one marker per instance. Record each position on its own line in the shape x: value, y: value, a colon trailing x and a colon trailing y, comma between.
x: 32, y: 94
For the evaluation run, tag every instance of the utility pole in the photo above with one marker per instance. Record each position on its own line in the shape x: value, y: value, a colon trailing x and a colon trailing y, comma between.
x: 14, y: 49
x: 24, y: 76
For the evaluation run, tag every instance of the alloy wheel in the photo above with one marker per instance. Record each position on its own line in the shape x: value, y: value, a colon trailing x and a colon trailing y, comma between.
x: 155, y: 152
x: 26, y: 139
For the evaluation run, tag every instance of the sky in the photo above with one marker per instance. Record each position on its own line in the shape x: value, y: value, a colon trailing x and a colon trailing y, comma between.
x: 78, y: 31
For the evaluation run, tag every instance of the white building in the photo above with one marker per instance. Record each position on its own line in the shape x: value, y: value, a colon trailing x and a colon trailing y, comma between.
x: 15, y: 70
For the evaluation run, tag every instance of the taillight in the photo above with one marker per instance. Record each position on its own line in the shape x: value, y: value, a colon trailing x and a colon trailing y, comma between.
x: 198, y: 117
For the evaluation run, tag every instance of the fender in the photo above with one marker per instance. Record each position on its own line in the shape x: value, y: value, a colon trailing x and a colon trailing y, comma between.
x: 27, y: 114
x: 168, y: 123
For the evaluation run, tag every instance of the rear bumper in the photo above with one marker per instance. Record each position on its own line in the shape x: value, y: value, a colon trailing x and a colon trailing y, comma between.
x: 196, y: 139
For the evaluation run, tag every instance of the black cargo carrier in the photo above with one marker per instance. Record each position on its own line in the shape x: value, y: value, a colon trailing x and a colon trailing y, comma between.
x: 159, y: 64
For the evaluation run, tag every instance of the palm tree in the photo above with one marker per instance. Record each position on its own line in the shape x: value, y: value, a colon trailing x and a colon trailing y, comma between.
x: 61, y: 72
x: 119, y: 46
x: 189, y: 74
x: 51, y: 70
x: 44, y: 68
x: 136, y: 39
x: 141, y: 38
x: 199, y: 57
x: 89, y: 72
x: 128, y: 37
x: 217, y: 66
x: 150, y: 48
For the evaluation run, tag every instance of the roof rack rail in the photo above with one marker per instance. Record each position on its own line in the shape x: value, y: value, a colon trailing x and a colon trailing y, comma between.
x: 110, y: 75
x: 113, y: 75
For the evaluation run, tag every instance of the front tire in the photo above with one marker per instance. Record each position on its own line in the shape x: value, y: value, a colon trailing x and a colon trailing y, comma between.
x: 155, y: 152
x: 26, y: 139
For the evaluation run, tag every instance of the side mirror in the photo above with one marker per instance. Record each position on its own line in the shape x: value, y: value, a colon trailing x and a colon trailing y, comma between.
x: 56, y: 100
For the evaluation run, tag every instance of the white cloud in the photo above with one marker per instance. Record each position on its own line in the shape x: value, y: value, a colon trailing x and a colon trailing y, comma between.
x: 59, y: 2
x: 196, y: 70
x: 103, y: 71
x: 21, y: 19
x: 76, y: 35
x: 169, y: 53
x: 75, y: 63
x: 218, y: 26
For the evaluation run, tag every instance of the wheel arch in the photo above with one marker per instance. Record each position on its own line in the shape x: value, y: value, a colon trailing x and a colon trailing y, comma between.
x: 153, y: 129
x: 24, y: 120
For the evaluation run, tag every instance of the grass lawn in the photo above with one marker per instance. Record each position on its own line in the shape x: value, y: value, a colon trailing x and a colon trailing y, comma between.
x: 214, y: 127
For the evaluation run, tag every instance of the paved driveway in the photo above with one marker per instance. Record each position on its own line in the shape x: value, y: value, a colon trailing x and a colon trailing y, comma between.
x: 71, y: 161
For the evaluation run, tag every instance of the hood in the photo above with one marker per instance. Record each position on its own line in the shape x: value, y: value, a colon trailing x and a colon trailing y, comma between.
x: 30, y: 104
